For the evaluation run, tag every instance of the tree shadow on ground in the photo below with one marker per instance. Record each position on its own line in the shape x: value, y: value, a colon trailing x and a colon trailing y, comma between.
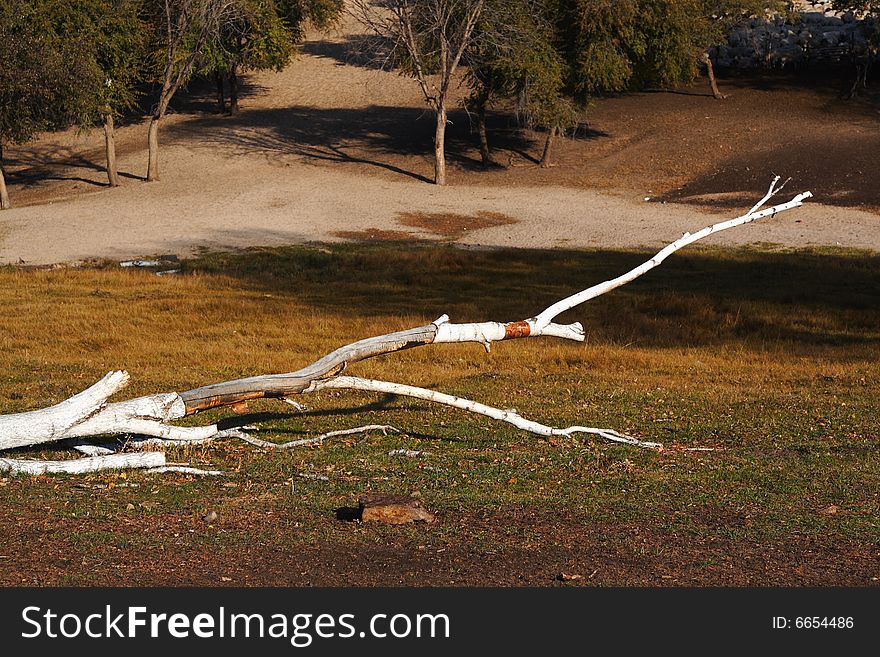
x: 392, y: 138
x: 34, y: 165
x: 824, y: 143
x: 710, y: 296
x: 695, y: 93
x: 834, y: 82
x: 200, y: 96
x: 825, y: 78
x: 845, y: 174
x: 30, y: 165
x: 362, y: 50
x: 329, y: 135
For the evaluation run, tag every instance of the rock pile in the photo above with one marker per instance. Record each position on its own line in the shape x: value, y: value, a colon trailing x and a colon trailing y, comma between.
x: 817, y: 35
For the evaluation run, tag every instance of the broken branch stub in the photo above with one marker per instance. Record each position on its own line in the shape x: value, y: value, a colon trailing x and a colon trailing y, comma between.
x: 88, y: 414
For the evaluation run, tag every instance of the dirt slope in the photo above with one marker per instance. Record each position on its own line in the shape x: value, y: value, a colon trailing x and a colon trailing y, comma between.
x: 333, y: 147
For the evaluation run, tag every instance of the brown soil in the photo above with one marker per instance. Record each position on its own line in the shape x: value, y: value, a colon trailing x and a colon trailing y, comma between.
x: 681, y: 146
x: 450, y: 224
x: 690, y: 147
x: 520, y: 547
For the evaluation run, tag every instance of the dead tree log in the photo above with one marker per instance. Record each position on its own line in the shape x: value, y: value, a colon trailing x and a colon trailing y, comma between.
x: 89, y: 415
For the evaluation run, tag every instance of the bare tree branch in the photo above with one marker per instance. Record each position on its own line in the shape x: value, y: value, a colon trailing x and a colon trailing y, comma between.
x: 88, y: 414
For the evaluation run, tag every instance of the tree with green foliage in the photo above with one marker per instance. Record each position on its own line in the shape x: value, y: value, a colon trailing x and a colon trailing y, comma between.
x: 679, y: 34
x: 297, y: 14
x: 252, y: 36
x: 594, y: 42
x: 261, y: 35
x: 552, y: 56
x: 868, y: 11
x: 613, y: 46
x: 609, y: 46
x: 45, y: 76
x: 120, y: 47
x: 513, y: 57
x: 112, y: 40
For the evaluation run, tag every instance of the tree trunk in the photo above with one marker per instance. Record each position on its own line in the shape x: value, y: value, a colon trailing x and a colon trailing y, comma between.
x: 710, y: 70
x: 860, y: 81
x: 484, y: 138
x: 233, y: 89
x: 221, y: 97
x: 110, y: 148
x: 153, y: 141
x: 440, y: 146
x: 548, y: 149
x: 4, y: 195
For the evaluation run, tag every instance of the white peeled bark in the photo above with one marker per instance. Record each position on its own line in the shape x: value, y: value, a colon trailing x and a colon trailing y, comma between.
x: 488, y: 332
x: 442, y: 330
x: 88, y: 414
x: 542, y: 324
x: 548, y: 314
x: 155, y: 428
x: 53, y: 423
x: 93, y: 450
x: 143, y: 415
x: 84, y: 465
x: 183, y: 469
x: 199, y: 436
x: 314, y: 440
x: 509, y: 416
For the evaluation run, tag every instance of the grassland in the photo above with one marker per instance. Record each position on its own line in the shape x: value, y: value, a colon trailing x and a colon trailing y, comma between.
x: 768, y: 357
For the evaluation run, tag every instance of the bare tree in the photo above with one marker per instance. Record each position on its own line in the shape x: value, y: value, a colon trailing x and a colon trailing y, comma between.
x: 187, y: 27
x: 429, y: 39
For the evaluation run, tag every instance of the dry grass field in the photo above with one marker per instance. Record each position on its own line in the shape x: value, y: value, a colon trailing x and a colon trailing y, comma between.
x: 764, y: 359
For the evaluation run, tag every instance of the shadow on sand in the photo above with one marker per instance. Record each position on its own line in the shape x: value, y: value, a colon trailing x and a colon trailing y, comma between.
x: 365, y: 135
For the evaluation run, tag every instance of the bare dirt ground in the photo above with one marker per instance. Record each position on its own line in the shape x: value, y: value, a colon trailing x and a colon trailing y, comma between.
x: 530, y: 547
x: 334, y: 149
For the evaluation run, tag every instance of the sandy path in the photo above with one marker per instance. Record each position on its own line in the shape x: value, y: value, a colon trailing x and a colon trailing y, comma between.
x: 253, y: 181
x: 304, y: 203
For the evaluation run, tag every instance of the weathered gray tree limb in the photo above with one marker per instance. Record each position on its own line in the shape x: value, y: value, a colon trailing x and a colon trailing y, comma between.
x: 441, y: 330
x: 316, y: 440
x: 184, y: 469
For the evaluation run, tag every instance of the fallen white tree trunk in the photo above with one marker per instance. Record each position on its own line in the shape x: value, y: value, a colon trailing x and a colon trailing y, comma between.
x: 88, y: 414
x: 48, y: 424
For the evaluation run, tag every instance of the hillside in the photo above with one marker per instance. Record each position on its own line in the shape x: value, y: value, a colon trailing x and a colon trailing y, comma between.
x: 332, y: 148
